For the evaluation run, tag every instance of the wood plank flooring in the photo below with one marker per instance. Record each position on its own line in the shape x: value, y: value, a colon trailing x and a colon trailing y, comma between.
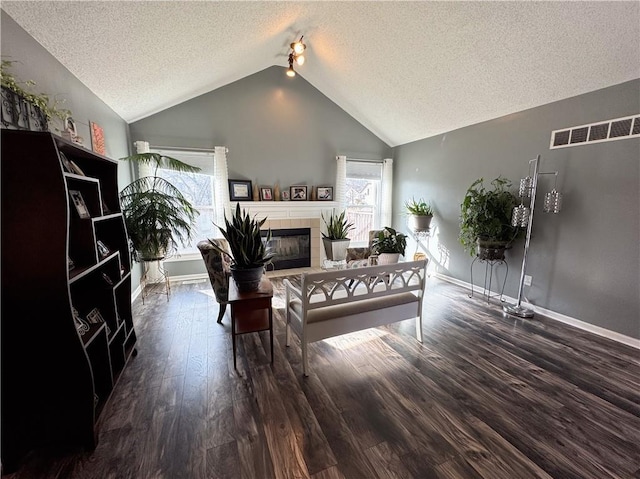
x: 485, y: 396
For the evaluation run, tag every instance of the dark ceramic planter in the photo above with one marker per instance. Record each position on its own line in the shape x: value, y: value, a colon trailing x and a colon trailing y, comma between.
x: 247, y: 279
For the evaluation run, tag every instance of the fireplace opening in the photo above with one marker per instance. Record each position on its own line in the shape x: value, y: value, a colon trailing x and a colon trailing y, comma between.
x: 292, y: 247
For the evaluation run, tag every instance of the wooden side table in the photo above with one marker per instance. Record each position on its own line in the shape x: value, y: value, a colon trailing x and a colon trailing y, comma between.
x: 251, y: 311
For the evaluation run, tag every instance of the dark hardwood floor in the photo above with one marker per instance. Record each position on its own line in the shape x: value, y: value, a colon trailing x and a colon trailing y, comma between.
x: 485, y: 396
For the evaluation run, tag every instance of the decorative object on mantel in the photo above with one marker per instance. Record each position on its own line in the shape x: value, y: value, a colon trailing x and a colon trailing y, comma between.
x: 336, y: 240
x: 285, y: 195
x: 298, y: 192
x: 312, y: 196
x: 276, y: 192
x: 256, y: 194
x: 389, y: 244
x: 249, y: 253
x: 240, y: 190
x: 420, y: 214
x: 266, y: 193
x: 157, y: 215
x: 22, y: 109
x: 324, y: 193
x: 296, y: 55
x: 523, y: 217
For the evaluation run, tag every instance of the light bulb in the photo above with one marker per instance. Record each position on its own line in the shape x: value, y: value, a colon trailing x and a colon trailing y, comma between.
x: 291, y: 72
x: 300, y: 59
x: 298, y: 47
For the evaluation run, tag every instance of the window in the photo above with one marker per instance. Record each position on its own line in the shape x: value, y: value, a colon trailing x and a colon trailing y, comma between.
x: 363, y: 198
x: 198, y: 189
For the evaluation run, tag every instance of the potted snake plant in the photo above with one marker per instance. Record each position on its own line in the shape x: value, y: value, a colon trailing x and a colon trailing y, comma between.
x: 336, y: 239
x: 249, y: 251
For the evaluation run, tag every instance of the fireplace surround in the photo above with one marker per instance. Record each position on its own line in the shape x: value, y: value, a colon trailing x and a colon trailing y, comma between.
x: 294, y: 214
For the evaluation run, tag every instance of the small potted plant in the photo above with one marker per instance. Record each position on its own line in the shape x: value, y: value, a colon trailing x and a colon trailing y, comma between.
x: 336, y: 240
x: 485, y: 219
x: 389, y: 244
x: 420, y: 214
x: 249, y: 252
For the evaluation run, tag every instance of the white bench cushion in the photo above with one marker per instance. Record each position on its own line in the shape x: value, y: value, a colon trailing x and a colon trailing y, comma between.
x: 356, y: 307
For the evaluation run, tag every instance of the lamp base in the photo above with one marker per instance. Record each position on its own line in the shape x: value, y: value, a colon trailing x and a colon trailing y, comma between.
x: 516, y: 310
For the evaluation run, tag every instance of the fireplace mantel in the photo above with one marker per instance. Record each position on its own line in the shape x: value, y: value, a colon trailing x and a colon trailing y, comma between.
x: 287, y: 209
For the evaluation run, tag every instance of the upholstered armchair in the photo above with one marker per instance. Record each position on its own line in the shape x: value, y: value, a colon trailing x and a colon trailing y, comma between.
x: 360, y: 256
x: 218, y: 267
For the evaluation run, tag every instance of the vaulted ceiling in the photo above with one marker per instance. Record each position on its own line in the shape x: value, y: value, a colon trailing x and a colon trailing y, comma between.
x: 405, y: 70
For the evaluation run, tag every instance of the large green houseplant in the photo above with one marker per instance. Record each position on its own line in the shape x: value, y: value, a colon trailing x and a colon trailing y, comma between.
x: 156, y: 213
x: 336, y: 239
x: 249, y: 251
x: 485, y: 219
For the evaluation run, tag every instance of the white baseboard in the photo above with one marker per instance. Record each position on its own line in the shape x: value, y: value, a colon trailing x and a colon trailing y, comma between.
x: 606, y: 333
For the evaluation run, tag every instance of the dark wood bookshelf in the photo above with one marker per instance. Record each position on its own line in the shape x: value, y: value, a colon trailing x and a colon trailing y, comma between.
x: 55, y: 380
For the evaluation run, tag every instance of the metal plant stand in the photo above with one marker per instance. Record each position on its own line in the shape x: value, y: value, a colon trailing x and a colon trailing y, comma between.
x: 489, y: 265
x: 165, y: 287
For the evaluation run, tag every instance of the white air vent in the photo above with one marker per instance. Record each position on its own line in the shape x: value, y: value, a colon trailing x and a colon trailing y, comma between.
x: 616, y: 129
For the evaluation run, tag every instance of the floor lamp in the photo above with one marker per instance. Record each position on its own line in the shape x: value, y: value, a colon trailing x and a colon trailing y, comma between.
x: 523, y: 217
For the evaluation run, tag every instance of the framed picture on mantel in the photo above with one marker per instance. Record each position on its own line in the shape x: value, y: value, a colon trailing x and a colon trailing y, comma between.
x: 298, y: 193
x: 240, y: 190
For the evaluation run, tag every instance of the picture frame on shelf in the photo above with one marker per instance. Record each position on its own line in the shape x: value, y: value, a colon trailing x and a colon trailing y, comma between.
x: 76, y: 169
x: 78, y: 202
x: 298, y: 192
x: 240, y: 190
x: 103, y: 250
x: 94, y: 317
x: 66, y: 163
x: 324, y: 193
x: 285, y: 195
x: 266, y: 193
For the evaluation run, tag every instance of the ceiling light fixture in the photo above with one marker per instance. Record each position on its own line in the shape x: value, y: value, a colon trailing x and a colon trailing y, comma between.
x: 296, y: 56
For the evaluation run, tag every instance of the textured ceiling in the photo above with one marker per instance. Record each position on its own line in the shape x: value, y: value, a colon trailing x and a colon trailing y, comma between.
x: 405, y: 70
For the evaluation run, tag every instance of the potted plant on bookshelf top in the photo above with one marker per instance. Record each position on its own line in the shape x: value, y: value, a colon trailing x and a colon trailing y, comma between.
x: 485, y: 219
x: 420, y: 214
x: 25, y: 109
x: 157, y: 214
x: 249, y: 251
x: 389, y: 244
x: 336, y: 239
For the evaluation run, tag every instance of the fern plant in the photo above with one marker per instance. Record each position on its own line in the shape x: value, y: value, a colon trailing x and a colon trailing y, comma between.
x: 157, y: 214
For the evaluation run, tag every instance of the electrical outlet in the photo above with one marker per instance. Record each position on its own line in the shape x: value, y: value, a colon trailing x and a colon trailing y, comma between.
x: 527, y: 280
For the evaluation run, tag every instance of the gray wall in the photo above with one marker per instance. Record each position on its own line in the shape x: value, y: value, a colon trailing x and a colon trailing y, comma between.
x: 277, y: 129
x: 35, y: 63
x: 585, y: 261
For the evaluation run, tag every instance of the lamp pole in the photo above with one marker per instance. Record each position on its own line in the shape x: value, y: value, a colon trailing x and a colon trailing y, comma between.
x: 517, y: 309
